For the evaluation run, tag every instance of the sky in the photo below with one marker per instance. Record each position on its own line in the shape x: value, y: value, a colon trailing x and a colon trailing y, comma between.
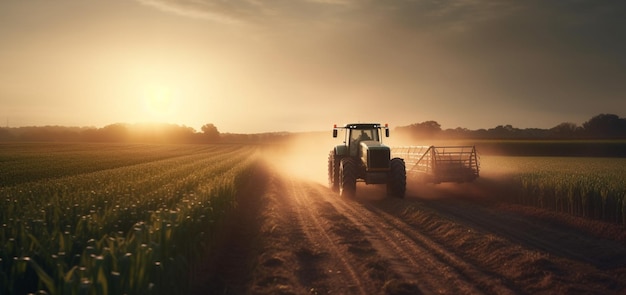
x: 251, y: 66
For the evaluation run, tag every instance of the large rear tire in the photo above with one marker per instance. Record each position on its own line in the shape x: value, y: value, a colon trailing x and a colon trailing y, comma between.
x: 396, y: 184
x: 347, y: 175
x: 333, y: 171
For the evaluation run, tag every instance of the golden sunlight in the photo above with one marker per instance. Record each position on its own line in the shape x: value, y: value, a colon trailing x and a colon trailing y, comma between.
x: 159, y: 103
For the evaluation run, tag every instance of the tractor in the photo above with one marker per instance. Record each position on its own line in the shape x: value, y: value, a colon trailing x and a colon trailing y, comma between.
x: 364, y: 158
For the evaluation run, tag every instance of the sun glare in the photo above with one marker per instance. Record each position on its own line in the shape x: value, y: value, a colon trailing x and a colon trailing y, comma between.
x: 159, y: 103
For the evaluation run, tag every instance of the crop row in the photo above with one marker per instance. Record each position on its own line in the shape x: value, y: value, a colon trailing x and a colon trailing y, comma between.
x: 589, y: 187
x: 24, y: 162
x: 134, y: 229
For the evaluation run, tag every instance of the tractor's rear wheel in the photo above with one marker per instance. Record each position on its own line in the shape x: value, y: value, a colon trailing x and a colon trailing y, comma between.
x: 333, y: 171
x: 347, y: 177
x: 396, y: 184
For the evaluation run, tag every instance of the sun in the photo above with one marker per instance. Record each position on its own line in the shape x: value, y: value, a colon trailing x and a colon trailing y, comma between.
x: 159, y: 102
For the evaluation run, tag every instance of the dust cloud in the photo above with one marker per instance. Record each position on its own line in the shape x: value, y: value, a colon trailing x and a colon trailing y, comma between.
x: 304, y: 156
x: 493, y: 183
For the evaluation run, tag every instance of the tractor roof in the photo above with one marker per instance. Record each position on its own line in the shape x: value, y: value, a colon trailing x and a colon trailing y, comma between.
x: 362, y: 125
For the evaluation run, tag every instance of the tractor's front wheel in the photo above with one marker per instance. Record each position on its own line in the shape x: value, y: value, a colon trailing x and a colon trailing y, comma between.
x: 396, y: 183
x: 333, y: 171
x: 347, y: 177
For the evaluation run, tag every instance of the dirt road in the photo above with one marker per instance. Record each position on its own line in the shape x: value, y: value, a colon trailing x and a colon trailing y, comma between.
x: 295, y: 236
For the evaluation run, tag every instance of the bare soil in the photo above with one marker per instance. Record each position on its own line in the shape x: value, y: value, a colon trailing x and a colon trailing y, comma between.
x: 295, y: 236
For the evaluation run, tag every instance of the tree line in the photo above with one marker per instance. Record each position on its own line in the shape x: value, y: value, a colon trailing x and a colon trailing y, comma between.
x: 603, y: 126
x: 121, y: 132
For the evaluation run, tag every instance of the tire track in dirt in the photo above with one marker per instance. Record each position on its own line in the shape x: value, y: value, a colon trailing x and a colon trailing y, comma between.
x: 414, y: 256
x: 472, y: 274
x: 322, y: 240
x: 540, y: 236
x: 318, y: 243
x: 494, y: 243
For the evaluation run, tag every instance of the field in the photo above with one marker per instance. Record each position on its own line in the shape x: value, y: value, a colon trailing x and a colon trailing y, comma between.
x: 234, y: 218
x: 581, y: 186
x: 112, y: 219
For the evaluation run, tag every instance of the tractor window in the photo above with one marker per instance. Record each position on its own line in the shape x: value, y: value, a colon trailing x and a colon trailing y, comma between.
x: 365, y: 134
x: 358, y: 135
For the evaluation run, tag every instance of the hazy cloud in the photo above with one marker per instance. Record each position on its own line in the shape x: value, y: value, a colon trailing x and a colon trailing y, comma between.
x: 247, y: 11
x: 532, y: 48
x: 224, y: 11
x: 600, y: 21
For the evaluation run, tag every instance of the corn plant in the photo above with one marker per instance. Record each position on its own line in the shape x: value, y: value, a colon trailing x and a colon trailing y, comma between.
x: 122, y: 227
x: 588, y: 187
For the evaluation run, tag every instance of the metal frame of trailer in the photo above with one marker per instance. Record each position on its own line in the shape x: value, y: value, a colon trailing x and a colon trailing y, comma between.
x: 439, y: 164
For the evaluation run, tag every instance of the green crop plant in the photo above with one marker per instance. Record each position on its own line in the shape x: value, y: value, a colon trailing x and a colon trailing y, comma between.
x: 130, y: 223
x: 588, y: 187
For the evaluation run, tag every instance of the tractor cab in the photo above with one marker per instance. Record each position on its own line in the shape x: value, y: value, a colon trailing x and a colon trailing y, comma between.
x: 358, y: 133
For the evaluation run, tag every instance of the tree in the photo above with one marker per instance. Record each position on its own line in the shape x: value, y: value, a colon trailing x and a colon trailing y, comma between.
x: 564, y: 130
x: 117, y: 132
x: 427, y: 129
x: 210, y: 132
x: 430, y: 126
x: 605, y: 125
x: 504, y: 131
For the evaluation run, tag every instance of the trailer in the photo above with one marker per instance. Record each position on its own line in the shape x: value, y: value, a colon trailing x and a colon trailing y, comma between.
x: 437, y: 164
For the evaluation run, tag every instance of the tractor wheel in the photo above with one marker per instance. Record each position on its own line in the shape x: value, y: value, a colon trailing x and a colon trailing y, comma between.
x: 333, y: 171
x: 347, y: 177
x: 396, y: 184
